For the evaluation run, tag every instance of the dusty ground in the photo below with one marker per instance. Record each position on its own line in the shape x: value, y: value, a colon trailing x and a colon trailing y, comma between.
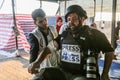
x: 14, y: 68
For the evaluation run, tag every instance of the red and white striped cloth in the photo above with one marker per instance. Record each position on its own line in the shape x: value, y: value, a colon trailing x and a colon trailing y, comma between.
x: 7, y: 36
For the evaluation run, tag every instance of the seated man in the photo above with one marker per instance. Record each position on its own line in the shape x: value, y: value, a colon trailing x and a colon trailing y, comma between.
x: 79, y: 43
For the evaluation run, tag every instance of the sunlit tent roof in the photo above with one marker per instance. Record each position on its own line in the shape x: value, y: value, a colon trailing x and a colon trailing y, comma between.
x: 54, y: 0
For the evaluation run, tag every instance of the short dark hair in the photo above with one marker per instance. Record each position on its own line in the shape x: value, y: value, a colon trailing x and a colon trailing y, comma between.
x: 38, y: 13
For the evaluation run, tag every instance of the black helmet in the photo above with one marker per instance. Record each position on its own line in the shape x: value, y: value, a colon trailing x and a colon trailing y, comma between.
x: 85, y: 14
x: 77, y: 9
x: 38, y: 13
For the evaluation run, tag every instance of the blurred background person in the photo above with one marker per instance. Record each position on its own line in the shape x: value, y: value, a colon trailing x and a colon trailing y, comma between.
x: 59, y: 22
x: 102, y: 25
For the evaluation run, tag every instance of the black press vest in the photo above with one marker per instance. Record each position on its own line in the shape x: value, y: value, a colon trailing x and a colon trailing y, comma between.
x: 72, y: 56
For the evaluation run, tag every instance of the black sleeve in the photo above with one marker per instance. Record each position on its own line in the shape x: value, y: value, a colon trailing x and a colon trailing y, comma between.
x: 101, y: 42
x: 60, y: 37
x: 34, y: 47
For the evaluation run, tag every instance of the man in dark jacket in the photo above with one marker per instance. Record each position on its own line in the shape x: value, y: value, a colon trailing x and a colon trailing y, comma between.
x: 76, y: 43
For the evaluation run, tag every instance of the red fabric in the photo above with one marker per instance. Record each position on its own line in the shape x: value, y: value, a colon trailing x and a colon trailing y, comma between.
x: 57, y: 20
x: 58, y: 27
x: 7, y: 37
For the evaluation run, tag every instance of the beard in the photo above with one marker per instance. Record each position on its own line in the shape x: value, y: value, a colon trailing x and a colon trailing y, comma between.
x: 76, y: 29
x: 42, y: 28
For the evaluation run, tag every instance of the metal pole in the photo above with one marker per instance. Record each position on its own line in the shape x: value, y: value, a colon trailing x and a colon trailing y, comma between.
x: 59, y: 8
x: 101, y: 10
x: 2, y: 4
x: 113, y: 23
x: 94, y: 10
x: 65, y: 7
x: 16, y: 32
x: 40, y: 3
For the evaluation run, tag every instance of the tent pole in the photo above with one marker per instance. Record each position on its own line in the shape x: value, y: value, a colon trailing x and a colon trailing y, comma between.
x: 94, y: 10
x: 65, y: 7
x: 113, y: 23
x: 101, y: 10
x: 16, y: 32
x: 59, y: 8
x: 40, y: 3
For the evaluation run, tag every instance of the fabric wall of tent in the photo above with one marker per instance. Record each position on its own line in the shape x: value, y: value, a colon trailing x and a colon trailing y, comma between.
x: 24, y: 24
x: 7, y: 36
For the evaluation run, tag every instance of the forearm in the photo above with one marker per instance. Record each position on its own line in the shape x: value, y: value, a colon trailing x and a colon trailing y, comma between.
x: 108, y: 61
x: 53, y: 45
x: 43, y: 55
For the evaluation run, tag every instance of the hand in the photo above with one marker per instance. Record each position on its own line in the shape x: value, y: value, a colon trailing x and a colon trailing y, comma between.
x: 33, y: 68
x: 105, y: 77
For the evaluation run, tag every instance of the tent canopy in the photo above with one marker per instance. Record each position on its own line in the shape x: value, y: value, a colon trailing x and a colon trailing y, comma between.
x: 54, y: 0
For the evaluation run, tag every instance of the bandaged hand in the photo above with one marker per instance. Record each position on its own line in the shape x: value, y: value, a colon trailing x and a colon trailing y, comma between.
x: 33, y: 68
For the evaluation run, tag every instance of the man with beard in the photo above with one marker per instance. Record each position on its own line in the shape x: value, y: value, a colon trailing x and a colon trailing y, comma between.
x: 76, y: 43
